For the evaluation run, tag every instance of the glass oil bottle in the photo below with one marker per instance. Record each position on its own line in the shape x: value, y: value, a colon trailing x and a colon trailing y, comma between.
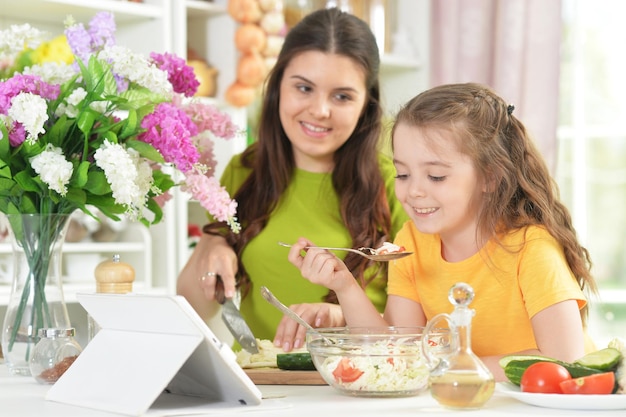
x: 459, y: 379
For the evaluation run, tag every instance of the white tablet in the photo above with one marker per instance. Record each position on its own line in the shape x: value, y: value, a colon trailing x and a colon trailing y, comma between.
x: 150, y: 349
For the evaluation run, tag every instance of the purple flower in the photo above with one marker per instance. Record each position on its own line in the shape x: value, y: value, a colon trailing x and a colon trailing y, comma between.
x: 179, y: 74
x: 85, y: 42
x: 79, y: 41
x: 102, y: 30
x: 170, y: 131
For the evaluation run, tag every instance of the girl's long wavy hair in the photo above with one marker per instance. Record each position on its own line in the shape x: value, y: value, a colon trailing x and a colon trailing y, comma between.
x: 356, y: 176
x: 523, y: 192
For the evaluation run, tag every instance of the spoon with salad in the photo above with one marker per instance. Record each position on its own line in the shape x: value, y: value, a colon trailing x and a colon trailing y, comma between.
x: 386, y: 252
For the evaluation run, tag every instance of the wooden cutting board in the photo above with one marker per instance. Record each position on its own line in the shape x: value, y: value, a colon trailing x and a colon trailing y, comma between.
x: 275, y: 376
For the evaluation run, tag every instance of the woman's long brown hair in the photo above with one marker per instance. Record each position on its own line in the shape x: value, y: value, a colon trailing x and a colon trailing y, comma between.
x: 356, y: 176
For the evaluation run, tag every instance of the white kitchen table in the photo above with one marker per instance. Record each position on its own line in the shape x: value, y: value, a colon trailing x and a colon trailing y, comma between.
x: 23, y: 396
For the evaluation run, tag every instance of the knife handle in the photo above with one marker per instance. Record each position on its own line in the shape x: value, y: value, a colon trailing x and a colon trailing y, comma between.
x: 219, y: 289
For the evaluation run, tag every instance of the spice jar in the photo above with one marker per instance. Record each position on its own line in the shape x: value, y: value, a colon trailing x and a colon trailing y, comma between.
x: 53, y: 354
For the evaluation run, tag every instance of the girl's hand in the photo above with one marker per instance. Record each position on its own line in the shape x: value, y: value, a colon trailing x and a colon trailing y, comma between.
x: 320, y: 266
x: 290, y: 335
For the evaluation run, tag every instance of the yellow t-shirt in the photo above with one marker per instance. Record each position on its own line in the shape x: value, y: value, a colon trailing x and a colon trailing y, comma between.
x: 510, y: 286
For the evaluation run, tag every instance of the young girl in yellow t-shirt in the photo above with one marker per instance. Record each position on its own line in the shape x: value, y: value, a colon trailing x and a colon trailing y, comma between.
x: 484, y: 210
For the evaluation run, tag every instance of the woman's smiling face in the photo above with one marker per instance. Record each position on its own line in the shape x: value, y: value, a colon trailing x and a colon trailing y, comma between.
x: 437, y: 185
x: 322, y: 96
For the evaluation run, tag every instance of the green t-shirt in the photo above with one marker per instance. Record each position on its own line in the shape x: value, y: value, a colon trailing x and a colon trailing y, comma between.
x: 309, y: 208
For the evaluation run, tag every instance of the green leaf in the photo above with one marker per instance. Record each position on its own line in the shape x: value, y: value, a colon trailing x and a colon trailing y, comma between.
x: 130, y: 125
x: 80, y: 175
x: 97, y: 183
x: 111, y: 137
x: 86, y: 121
x: 5, y: 170
x: 26, y: 182
x: 156, y: 209
x: 6, y: 184
x: 59, y: 131
x: 27, y: 206
x: 141, y: 96
x: 162, y: 180
x: 106, y: 205
x: 76, y: 196
x: 5, y: 149
x: 146, y: 150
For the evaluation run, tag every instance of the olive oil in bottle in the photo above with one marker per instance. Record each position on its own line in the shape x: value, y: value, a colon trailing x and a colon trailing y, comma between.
x: 465, y: 382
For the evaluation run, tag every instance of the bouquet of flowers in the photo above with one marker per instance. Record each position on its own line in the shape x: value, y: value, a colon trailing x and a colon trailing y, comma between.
x: 109, y: 130
x: 99, y: 128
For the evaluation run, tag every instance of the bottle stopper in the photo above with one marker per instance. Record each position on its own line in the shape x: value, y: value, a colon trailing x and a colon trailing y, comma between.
x: 460, y: 296
x: 114, y: 276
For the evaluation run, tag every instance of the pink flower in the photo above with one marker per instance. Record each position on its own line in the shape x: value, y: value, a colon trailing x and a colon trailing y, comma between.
x: 180, y: 75
x: 208, y: 117
x: 211, y: 195
x: 170, y: 131
x: 17, y: 135
x: 204, y: 145
x: 20, y: 83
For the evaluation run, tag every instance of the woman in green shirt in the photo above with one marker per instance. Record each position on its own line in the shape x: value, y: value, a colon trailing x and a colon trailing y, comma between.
x: 315, y: 170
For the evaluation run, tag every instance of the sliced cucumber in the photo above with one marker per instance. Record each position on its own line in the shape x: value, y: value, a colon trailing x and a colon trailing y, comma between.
x: 295, y: 361
x: 604, y: 359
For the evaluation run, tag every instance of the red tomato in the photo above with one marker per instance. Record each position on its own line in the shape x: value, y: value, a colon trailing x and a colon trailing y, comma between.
x: 593, y: 384
x: 544, y: 377
x: 346, y: 372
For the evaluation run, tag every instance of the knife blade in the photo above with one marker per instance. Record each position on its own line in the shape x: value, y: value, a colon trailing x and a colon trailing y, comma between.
x: 233, y: 319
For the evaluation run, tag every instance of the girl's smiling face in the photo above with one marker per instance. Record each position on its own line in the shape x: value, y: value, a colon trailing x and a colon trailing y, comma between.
x: 437, y: 185
x: 321, y: 99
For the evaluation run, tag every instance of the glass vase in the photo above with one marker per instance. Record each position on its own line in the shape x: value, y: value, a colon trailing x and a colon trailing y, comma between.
x: 36, y: 299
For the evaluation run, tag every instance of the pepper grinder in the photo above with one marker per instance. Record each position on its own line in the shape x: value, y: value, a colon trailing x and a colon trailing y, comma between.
x: 112, y: 277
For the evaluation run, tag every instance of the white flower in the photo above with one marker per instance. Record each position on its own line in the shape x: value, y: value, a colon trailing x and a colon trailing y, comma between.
x: 52, y: 72
x: 31, y: 111
x: 69, y: 106
x: 137, y: 69
x: 14, y: 39
x: 129, y: 175
x: 53, y: 168
x: 100, y: 106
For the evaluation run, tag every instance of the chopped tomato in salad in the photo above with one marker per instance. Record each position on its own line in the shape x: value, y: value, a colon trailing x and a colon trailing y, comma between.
x: 346, y: 372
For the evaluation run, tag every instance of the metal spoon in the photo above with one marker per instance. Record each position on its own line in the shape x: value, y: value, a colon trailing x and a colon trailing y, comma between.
x: 271, y: 298
x: 368, y: 253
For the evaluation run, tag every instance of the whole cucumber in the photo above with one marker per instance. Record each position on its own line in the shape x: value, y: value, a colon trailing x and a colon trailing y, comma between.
x: 295, y: 361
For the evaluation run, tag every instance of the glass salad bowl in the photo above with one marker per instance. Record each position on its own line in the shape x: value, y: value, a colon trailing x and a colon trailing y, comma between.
x: 373, y: 362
